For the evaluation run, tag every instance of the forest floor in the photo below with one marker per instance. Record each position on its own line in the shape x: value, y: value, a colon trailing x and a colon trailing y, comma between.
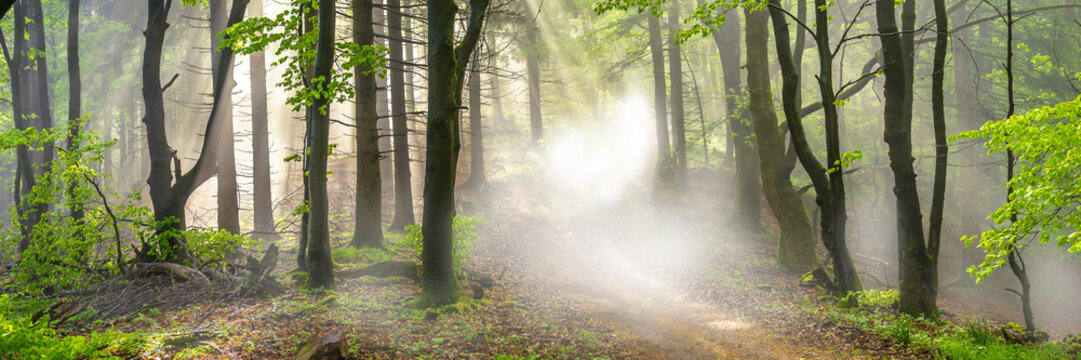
x: 640, y: 277
x: 636, y: 276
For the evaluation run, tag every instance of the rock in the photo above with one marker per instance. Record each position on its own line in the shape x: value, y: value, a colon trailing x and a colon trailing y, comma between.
x: 473, y: 289
x: 330, y: 346
x: 479, y: 277
x: 1016, y: 334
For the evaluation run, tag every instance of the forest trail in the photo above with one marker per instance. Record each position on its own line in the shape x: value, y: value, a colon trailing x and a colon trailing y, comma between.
x: 630, y: 264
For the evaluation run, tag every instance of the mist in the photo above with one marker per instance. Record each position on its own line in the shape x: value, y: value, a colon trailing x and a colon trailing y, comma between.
x: 600, y: 179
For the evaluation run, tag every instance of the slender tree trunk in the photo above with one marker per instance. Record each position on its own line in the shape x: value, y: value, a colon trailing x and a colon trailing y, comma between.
x: 675, y: 68
x: 75, y: 93
x: 403, y: 191
x: 660, y: 106
x: 748, y: 209
x: 23, y: 176
x: 532, y: 63
x: 368, y: 217
x: 320, y: 264
x: 916, y: 283
x: 477, y: 178
x: 36, y: 106
x: 1017, y: 264
x: 938, y: 109
x: 497, y: 118
x: 263, y: 192
x: 796, y: 230
x: 308, y: 26
x: 446, y: 68
x: 228, y: 199
x: 386, y: 149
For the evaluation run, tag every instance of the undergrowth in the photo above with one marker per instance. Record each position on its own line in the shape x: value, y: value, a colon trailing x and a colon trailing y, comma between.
x: 935, y: 338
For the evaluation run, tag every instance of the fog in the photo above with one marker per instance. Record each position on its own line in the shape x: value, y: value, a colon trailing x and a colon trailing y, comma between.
x: 584, y: 200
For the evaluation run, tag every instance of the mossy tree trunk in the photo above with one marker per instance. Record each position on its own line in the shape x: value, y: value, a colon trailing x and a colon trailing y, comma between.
x: 447, y: 62
x: 795, y: 249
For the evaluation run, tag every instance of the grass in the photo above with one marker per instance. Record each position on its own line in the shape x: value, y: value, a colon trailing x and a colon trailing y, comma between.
x: 933, y: 338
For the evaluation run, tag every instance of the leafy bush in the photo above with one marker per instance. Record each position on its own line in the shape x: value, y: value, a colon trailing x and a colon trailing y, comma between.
x: 879, y: 298
x: 21, y: 338
x: 464, y: 238
x: 211, y: 247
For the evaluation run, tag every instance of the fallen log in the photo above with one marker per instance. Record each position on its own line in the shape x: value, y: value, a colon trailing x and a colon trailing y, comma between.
x: 172, y: 270
x: 331, y: 346
x: 261, y: 282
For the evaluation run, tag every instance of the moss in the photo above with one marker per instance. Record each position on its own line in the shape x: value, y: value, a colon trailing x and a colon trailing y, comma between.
x: 299, y: 277
x: 373, y: 280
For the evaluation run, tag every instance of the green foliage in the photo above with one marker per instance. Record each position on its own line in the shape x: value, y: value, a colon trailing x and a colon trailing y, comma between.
x: 21, y: 338
x: 464, y: 238
x: 296, y: 51
x: 1045, y: 197
x: 213, y: 247
x: 63, y: 252
x: 878, y: 298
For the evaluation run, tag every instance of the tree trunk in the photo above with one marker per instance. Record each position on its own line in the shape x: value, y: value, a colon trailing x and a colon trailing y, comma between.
x: 916, y: 279
x: 320, y: 264
x: 938, y: 109
x: 477, y: 178
x: 828, y: 185
x: 446, y: 68
x: 386, y: 162
x: 748, y: 207
x: 1017, y: 263
x: 263, y: 191
x: 532, y: 63
x: 675, y: 68
x: 308, y: 26
x: 228, y: 202
x: 36, y: 110
x: 660, y: 106
x: 403, y: 190
x: 169, y: 199
x: 368, y: 217
x: 75, y: 93
x: 796, y: 231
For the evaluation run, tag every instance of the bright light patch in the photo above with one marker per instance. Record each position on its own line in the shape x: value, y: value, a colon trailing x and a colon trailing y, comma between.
x: 601, y: 161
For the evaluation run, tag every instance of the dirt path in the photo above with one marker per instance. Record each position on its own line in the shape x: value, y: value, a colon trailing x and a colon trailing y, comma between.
x: 625, y: 262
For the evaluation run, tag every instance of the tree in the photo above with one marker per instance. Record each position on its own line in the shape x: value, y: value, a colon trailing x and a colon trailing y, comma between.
x: 675, y: 69
x: 403, y: 190
x: 477, y: 177
x: 368, y: 216
x: 533, y: 49
x: 75, y: 90
x: 748, y: 207
x: 1043, y: 192
x: 917, y: 283
x: 660, y: 97
x: 447, y: 62
x: 828, y: 182
x: 320, y: 264
x: 168, y: 199
x: 228, y: 201
x: 32, y: 100
x: 795, y: 248
x: 262, y: 192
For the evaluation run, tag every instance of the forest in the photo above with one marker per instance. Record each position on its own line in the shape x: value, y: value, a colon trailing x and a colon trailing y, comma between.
x: 532, y: 179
